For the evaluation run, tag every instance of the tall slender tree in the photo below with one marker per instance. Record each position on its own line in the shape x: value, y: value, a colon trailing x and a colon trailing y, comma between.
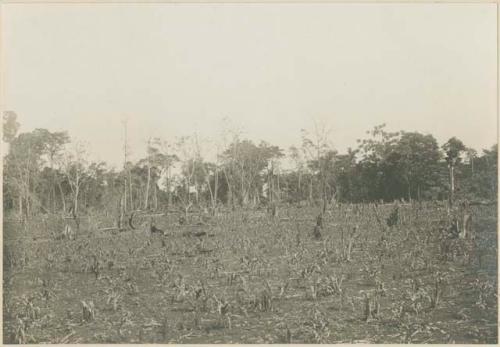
x: 453, y: 149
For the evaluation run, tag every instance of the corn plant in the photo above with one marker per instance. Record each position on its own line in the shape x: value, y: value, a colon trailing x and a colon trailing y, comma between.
x: 335, y: 283
x: 198, y: 297
x: 125, y: 320
x: 29, y: 310
x: 222, y: 309
x: 21, y: 333
x: 347, y: 242
x: 88, y: 311
x: 486, y: 293
x: 437, y: 290
x: 112, y: 300
x: 317, y: 326
x: 371, y: 305
x: 264, y: 301
x: 46, y: 292
x: 283, y: 288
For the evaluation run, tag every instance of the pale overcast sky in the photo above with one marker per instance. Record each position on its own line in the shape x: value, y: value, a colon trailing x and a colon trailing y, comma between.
x: 173, y: 69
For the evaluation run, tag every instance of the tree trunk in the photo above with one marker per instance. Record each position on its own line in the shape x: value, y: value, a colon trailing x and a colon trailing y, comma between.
x: 409, y: 192
x: 279, y: 188
x: 244, y: 198
x: 119, y: 220
x: 216, y: 184
x: 27, y: 202
x: 53, y: 191
x: 212, y: 200
x: 147, y: 188
x: 156, y: 197
x: 242, y: 189
x: 311, y: 191
x: 188, y: 195
x: 77, y: 192
x: 62, y: 196
x: 325, y: 197
x: 27, y: 198
x: 169, y: 196
x: 269, y: 187
x: 20, y: 204
x: 53, y: 184
x: 299, y: 189
x: 85, y: 197
x: 452, y: 184
x: 230, y: 195
x: 130, y: 190
x: 125, y: 194
x: 196, y: 187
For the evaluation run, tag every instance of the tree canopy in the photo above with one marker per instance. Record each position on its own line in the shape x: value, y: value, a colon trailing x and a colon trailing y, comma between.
x: 45, y: 171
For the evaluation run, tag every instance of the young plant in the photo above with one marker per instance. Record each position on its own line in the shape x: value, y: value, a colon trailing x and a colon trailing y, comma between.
x: 318, y: 326
x: 88, y: 311
x: 347, y: 242
x: 437, y: 290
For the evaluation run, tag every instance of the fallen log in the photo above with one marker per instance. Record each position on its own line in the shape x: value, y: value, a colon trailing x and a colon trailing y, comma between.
x: 130, y: 220
x: 106, y: 229
x: 482, y: 203
x: 196, y: 234
x: 152, y: 215
x: 111, y: 229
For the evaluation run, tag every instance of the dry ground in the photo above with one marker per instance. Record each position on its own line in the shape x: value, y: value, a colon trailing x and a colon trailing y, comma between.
x: 254, y: 279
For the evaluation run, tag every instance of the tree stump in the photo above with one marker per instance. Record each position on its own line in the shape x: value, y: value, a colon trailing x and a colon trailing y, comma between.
x: 317, y: 232
x: 88, y: 311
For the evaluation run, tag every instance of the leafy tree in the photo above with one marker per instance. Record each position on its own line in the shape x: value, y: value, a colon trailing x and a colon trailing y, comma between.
x: 482, y: 183
x: 10, y: 126
x: 379, y: 146
x: 417, y: 161
x: 156, y: 163
x: 23, y: 165
x: 243, y: 162
x: 378, y: 174
x: 53, y: 144
x: 97, y: 185
x: 471, y: 156
x: 385, y: 166
x: 346, y: 171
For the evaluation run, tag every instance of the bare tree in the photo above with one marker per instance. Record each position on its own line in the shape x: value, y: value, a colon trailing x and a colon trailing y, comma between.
x: 208, y: 170
x: 189, y: 160
x: 150, y: 156
x: 453, y: 149
x: 315, y: 147
x: 300, y: 166
x: 75, y: 166
x: 127, y: 168
x: 167, y: 159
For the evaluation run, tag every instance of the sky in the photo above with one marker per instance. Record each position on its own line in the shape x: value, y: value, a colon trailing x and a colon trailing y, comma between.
x: 266, y: 69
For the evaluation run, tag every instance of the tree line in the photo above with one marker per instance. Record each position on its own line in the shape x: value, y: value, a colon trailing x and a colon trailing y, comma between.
x: 44, y: 172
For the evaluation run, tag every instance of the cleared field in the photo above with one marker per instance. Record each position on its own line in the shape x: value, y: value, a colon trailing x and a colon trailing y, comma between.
x: 255, y: 279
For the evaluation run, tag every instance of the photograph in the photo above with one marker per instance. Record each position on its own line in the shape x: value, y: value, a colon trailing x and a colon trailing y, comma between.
x: 249, y: 172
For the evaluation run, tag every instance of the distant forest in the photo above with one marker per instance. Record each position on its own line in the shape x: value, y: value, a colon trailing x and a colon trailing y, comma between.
x: 44, y: 172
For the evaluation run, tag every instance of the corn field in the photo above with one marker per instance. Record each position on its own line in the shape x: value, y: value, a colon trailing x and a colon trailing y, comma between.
x: 359, y: 273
